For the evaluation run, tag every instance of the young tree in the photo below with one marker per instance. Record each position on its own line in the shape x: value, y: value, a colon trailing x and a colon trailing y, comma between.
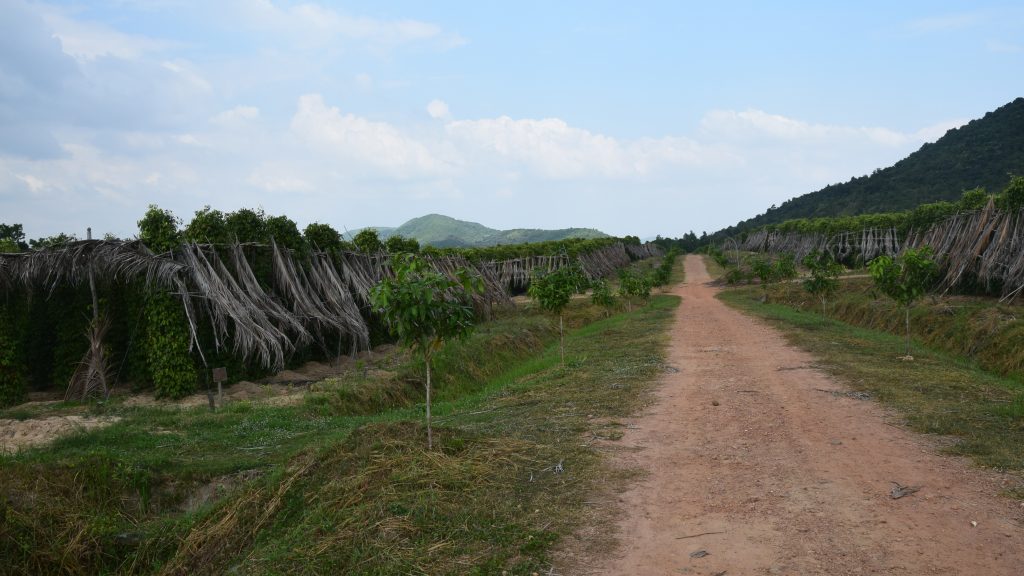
x: 785, y: 267
x: 633, y: 284
x: 424, y: 309
x: 323, y: 236
x: 398, y: 244
x: 824, y: 273
x: 285, y: 232
x: 12, y: 238
x: 247, y: 225
x: 905, y: 279
x: 368, y: 241
x: 602, y: 296
x: 769, y: 272
x: 553, y: 290
x: 765, y: 272
x: 207, y: 227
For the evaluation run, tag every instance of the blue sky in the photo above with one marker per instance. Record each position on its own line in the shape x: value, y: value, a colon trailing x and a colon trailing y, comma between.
x: 651, y: 118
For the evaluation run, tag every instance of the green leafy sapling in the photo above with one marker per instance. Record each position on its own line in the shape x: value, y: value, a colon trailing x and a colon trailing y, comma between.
x: 823, y: 281
x: 602, y: 296
x: 905, y: 279
x: 785, y: 267
x: 633, y: 284
x: 765, y: 272
x: 769, y: 272
x: 425, y: 309
x: 552, y: 291
x: 368, y: 241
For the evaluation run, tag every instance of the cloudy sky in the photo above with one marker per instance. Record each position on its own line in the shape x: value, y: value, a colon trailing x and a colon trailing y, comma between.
x: 636, y: 118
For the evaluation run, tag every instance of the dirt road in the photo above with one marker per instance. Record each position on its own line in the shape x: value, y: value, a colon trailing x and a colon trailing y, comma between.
x: 782, y: 478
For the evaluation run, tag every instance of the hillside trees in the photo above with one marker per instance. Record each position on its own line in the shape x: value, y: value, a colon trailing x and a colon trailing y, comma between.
x: 424, y: 309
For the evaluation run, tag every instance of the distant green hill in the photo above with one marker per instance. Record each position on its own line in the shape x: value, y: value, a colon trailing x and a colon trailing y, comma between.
x: 446, y: 232
x: 982, y: 153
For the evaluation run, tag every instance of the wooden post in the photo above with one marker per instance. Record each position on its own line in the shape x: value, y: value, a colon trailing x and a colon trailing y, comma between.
x: 219, y: 376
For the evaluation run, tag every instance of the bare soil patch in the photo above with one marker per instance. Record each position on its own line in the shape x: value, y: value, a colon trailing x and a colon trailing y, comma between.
x: 18, y: 434
x: 752, y: 467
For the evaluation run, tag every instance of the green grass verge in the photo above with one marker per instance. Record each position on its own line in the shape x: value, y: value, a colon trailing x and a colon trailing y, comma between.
x: 345, y: 485
x: 937, y: 392
x: 980, y: 328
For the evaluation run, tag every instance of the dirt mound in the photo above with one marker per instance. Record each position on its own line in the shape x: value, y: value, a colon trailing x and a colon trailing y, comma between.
x: 319, y: 370
x: 246, y: 390
x: 148, y: 399
x: 289, y: 376
x: 18, y: 434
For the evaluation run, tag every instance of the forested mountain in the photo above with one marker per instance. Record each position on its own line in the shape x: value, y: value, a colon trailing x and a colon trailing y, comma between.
x: 981, y: 153
x: 446, y: 232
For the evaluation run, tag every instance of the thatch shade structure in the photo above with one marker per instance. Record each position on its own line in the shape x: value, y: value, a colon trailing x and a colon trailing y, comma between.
x: 985, y: 246
x: 297, y: 299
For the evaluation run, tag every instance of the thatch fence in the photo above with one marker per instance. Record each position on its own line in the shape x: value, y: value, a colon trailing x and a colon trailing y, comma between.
x: 261, y: 302
x: 979, y: 247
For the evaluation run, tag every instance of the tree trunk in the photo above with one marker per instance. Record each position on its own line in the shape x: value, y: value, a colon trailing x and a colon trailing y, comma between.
x: 430, y: 433
x: 561, y: 339
x: 823, y: 315
x: 95, y: 323
x: 907, y: 311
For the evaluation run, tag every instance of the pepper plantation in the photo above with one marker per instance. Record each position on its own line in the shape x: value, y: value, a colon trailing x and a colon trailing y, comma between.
x: 241, y: 290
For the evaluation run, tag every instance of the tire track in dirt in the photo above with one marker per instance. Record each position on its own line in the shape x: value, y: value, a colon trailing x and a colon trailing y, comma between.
x: 791, y: 480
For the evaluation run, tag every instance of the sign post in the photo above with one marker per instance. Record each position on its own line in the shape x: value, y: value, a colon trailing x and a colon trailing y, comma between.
x: 219, y: 376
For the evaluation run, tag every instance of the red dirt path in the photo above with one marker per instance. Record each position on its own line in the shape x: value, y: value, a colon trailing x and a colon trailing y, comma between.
x: 797, y: 481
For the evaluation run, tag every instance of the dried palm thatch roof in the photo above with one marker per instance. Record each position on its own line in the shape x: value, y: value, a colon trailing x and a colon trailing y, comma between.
x: 597, y: 263
x: 310, y: 296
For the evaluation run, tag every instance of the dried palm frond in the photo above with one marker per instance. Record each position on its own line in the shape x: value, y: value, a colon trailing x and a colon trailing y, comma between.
x: 91, y: 376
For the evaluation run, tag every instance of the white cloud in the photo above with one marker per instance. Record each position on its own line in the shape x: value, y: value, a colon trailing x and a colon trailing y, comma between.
x: 758, y: 126
x: 313, y: 24
x: 34, y: 184
x: 188, y: 73
x: 361, y: 142
x: 273, y: 179
x: 945, y: 22
x: 236, y: 116
x: 90, y: 40
x: 438, y: 109
x: 553, y: 149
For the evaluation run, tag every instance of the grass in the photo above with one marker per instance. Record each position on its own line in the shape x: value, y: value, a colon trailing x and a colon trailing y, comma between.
x: 937, y: 393
x: 342, y: 483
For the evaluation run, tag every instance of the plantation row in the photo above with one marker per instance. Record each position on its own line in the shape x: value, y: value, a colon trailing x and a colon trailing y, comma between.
x: 241, y: 290
x: 905, y: 278
x: 978, y: 244
x: 1010, y: 199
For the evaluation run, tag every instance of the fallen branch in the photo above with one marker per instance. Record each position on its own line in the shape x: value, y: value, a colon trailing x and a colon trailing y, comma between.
x: 696, y: 535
